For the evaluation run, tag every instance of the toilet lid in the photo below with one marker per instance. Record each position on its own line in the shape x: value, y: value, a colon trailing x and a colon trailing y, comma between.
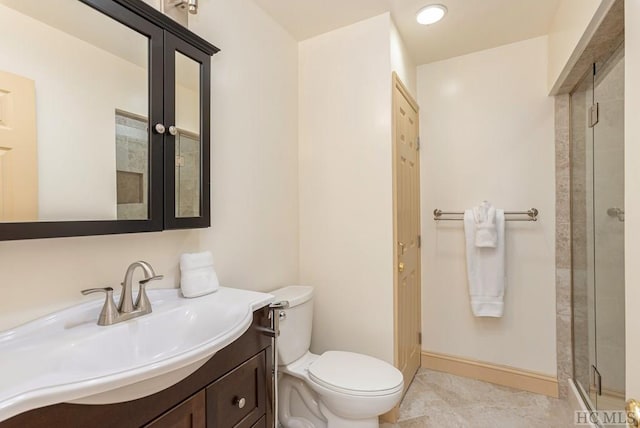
x: 355, y: 374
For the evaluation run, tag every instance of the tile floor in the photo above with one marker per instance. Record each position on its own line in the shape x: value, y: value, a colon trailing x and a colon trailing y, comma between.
x: 440, y: 400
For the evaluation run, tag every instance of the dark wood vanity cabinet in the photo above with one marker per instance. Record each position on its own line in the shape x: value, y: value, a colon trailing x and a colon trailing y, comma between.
x: 237, y: 399
x: 233, y: 389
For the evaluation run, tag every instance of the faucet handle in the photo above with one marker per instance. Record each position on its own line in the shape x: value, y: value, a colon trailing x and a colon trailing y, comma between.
x: 97, y: 290
x: 142, y: 301
x: 109, y: 312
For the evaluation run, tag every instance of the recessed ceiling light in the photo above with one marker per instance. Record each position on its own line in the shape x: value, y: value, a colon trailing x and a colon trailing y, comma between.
x: 431, y: 14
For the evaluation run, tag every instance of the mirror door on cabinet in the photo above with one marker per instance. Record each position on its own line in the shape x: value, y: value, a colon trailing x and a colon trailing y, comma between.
x: 74, y: 75
x: 187, y: 89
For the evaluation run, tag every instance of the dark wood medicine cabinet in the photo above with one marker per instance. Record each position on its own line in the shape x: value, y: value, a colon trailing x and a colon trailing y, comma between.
x: 130, y: 149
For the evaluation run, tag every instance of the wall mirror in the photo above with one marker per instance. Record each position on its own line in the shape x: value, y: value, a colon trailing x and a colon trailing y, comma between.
x: 84, y: 121
x: 187, y: 139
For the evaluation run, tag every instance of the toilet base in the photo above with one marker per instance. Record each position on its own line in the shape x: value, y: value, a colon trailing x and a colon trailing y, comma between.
x: 300, y: 407
x: 334, y: 421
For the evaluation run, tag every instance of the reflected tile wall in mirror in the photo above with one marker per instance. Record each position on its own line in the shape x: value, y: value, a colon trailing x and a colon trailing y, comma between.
x: 132, y: 165
x: 187, y: 142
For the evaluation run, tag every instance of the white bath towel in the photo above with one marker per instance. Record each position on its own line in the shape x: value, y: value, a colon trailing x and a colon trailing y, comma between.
x: 197, y: 276
x: 485, y: 218
x: 485, y: 269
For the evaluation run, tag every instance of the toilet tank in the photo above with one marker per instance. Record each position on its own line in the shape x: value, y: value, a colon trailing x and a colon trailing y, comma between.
x: 295, y: 326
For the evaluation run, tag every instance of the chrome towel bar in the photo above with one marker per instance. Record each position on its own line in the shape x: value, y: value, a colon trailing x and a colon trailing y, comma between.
x: 531, y: 215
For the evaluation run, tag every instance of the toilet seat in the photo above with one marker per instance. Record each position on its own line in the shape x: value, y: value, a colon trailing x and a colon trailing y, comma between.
x: 355, y: 374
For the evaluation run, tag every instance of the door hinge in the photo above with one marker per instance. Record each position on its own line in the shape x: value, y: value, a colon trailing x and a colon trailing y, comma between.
x: 594, y: 114
x: 597, y: 380
x: 420, y: 338
x: 418, y: 144
x: 419, y: 241
x: 179, y: 161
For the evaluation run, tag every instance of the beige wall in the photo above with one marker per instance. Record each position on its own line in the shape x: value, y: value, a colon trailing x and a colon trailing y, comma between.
x: 487, y: 133
x: 632, y: 195
x: 567, y: 28
x: 254, y: 236
x: 345, y: 186
x: 254, y: 166
x: 401, y: 61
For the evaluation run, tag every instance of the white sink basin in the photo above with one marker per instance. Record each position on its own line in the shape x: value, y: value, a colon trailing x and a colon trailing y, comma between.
x: 66, y: 357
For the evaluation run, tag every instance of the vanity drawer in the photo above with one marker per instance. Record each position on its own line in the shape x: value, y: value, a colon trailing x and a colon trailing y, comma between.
x: 262, y: 423
x: 237, y: 400
x: 189, y: 414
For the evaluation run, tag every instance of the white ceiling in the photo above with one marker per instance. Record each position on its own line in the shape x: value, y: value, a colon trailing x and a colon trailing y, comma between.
x: 470, y: 25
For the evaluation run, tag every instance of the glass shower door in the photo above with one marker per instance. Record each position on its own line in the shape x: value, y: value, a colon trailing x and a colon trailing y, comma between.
x: 608, y: 226
x: 597, y: 222
x: 582, y: 269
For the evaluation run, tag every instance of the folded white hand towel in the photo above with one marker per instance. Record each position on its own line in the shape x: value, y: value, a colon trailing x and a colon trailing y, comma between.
x: 196, y: 260
x: 486, y: 234
x: 197, y: 276
x: 485, y: 269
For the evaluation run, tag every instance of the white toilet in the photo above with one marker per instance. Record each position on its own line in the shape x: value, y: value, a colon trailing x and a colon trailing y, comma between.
x: 333, y: 390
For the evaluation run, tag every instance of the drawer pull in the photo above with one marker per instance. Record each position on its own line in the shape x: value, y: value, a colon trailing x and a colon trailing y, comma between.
x: 239, y: 402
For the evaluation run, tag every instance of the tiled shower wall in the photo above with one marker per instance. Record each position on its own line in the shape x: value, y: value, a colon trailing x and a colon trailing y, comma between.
x: 563, y: 243
x: 579, y: 202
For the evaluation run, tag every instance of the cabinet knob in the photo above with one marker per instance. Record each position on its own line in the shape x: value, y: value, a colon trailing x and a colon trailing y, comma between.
x: 159, y: 128
x: 239, y: 402
x: 173, y: 130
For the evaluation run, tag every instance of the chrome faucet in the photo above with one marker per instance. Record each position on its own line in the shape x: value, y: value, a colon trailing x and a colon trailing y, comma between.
x: 126, y: 309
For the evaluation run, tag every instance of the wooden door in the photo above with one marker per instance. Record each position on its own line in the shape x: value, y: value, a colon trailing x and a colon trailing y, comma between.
x: 407, y: 304
x: 18, y: 149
